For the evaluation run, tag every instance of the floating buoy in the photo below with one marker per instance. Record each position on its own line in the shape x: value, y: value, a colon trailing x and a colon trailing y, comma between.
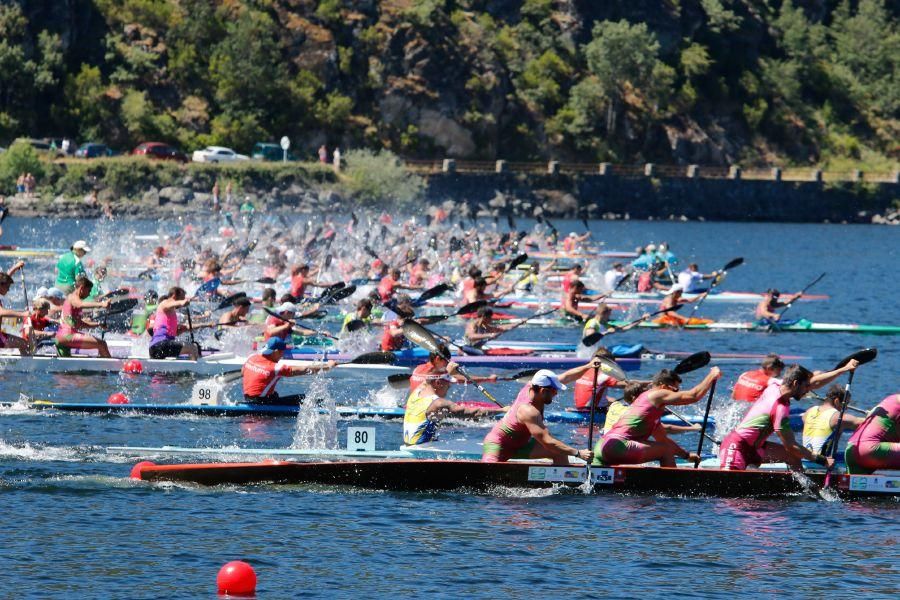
x: 136, y: 469
x: 117, y: 398
x: 236, y: 578
x: 133, y: 366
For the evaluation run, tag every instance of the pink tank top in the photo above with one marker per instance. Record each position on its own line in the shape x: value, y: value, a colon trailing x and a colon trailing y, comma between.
x: 882, y: 424
x: 165, y: 326
x: 511, y: 434
x: 69, y: 318
x: 639, y: 421
x: 768, y: 414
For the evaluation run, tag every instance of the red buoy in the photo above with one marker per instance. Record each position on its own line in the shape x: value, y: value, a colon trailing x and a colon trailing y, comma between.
x: 117, y: 398
x: 133, y: 366
x: 236, y: 578
x: 136, y: 469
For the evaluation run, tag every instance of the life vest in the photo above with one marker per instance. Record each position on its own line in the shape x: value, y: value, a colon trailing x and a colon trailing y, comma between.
x: 750, y: 385
x: 417, y: 427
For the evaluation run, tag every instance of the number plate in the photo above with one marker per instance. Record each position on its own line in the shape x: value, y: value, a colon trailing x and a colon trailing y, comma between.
x: 571, y: 474
x: 205, y: 392
x: 361, y: 439
x: 875, y: 483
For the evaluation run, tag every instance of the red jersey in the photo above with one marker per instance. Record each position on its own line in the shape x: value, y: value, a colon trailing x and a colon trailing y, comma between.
x: 391, y: 342
x: 750, y: 386
x: 261, y: 374
x: 273, y: 321
x: 423, y: 373
x: 298, y: 285
x: 585, y: 385
x: 386, y: 287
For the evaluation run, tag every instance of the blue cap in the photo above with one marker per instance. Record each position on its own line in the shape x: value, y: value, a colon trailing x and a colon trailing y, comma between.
x: 273, y: 345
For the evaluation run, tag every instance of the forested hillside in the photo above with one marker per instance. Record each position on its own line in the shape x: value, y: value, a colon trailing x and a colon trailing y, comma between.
x: 675, y: 81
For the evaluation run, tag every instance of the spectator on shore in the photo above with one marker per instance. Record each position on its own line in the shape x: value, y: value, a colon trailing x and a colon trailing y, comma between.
x: 20, y: 184
x: 337, y: 160
x: 323, y: 154
x: 30, y: 183
x: 215, y: 196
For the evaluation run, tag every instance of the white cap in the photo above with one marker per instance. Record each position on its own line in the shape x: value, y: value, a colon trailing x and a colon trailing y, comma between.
x: 547, y: 378
x: 650, y: 247
x: 572, y: 234
x: 81, y: 245
x: 57, y: 293
x: 41, y: 292
x: 675, y: 288
x: 287, y: 307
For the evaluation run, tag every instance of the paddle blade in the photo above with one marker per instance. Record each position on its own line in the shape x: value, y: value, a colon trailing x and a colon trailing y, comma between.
x: 439, y: 289
x: 316, y: 314
x: 471, y: 350
x: 230, y: 300
x: 590, y: 340
x: 375, y: 358
x: 342, y: 293
x: 355, y: 325
x: 609, y: 367
x: 360, y: 281
x: 399, y: 381
x: 120, y: 306
x: 695, y: 361
x: 522, y: 376
x: 420, y: 336
x: 471, y: 307
x: 265, y: 280
x: 113, y: 294
x: 517, y: 261
x: 735, y: 262
x: 622, y: 281
x: 863, y: 356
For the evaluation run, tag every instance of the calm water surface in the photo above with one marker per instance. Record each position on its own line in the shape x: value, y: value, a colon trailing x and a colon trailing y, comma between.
x: 73, y: 525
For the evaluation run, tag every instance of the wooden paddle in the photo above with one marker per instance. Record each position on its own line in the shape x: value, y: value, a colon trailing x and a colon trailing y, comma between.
x: 735, y: 262
x: 590, y: 340
x: 791, y: 303
x: 425, y: 339
x: 863, y: 356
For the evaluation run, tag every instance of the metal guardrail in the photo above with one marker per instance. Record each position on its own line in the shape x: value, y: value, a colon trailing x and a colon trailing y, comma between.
x: 649, y: 170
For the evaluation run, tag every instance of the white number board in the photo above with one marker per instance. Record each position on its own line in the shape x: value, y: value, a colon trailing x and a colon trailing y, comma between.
x: 206, y: 392
x: 361, y: 439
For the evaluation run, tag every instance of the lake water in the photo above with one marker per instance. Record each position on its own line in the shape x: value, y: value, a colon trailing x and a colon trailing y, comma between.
x: 74, y: 525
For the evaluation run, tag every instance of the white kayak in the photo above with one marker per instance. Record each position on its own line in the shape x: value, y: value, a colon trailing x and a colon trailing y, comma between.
x: 213, y: 364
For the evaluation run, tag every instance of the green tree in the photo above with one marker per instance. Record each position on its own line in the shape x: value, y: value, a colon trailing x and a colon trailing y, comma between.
x: 20, y: 158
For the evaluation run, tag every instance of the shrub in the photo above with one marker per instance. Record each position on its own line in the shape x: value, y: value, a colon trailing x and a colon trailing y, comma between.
x: 20, y: 158
x: 374, y: 177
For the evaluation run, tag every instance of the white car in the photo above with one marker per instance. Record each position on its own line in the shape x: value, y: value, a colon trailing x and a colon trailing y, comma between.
x: 214, y: 154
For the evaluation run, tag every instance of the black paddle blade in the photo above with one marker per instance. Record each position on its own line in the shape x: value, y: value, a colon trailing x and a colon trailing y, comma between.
x: 342, y: 293
x: 375, y: 358
x: 517, y: 261
x: 735, y: 262
x: 590, y: 340
x: 360, y: 281
x: 420, y: 336
x: 120, y: 306
x: 230, y: 300
x: 316, y: 314
x: 471, y: 307
x: 113, y: 294
x: 609, y: 367
x: 863, y: 356
x: 471, y: 350
x: 695, y: 361
x: 399, y: 381
x: 522, y: 376
x: 265, y: 280
x: 369, y: 251
x: 624, y: 279
x: 438, y: 290
x: 355, y: 325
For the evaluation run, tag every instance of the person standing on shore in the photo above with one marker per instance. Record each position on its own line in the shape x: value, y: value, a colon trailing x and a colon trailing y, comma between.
x: 69, y: 266
x: 337, y: 160
x: 323, y: 154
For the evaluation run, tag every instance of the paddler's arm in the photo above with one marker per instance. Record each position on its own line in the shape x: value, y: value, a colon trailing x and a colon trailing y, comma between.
x: 676, y: 429
x: 822, y: 379
x: 661, y: 436
x: 308, y: 370
x: 5, y: 312
x: 796, y: 450
x: 459, y: 410
x: 532, y: 419
x: 690, y: 396
x: 573, y: 374
x: 15, y: 268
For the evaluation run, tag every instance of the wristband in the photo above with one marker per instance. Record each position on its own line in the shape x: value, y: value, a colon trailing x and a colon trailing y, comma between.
x: 576, y: 452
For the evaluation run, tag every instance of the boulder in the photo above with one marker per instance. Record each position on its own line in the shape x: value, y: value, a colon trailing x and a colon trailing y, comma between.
x: 176, y: 195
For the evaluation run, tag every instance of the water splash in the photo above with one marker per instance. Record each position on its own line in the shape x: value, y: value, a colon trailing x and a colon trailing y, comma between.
x: 317, y: 418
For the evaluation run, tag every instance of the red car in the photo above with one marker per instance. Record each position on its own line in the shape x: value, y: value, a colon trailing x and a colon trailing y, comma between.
x: 160, y: 151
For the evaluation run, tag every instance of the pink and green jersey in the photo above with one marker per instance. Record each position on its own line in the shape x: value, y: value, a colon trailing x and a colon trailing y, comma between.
x: 876, y: 443
x: 639, y: 421
x: 509, y: 435
x: 768, y: 414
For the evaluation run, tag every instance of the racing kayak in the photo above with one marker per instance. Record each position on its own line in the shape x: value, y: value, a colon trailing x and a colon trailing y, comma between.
x: 412, y: 475
x: 262, y: 410
x: 213, y: 364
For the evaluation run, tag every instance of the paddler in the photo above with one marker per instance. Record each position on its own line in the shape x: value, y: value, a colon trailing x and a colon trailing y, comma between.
x: 391, y: 282
x: 571, y: 299
x: 212, y: 280
x: 571, y: 276
x: 238, y: 313
x: 617, y: 408
x: 599, y: 322
x: 69, y: 266
x: 747, y: 445
x: 673, y: 298
x: 628, y: 442
x: 482, y: 327
x: 437, y: 365
x: 68, y: 336
x: 8, y: 340
x: 392, y: 338
x: 35, y: 327
x: 522, y: 433
x: 765, y: 310
x: 876, y: 442
x: 820, y: 422
x: 362, y: 314
x: 584, y: 385
x: 750, y: 385
x: 427, y: 405
x: 166, y: 328
x: 262, y: 371
x: 613, y: 276
x: 691, y: 279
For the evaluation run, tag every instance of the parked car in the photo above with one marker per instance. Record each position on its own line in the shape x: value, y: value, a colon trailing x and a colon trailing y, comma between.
x: 93, y: 151
x: 215, y: 154
x: 160, y: 151
x: 264, y: 151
